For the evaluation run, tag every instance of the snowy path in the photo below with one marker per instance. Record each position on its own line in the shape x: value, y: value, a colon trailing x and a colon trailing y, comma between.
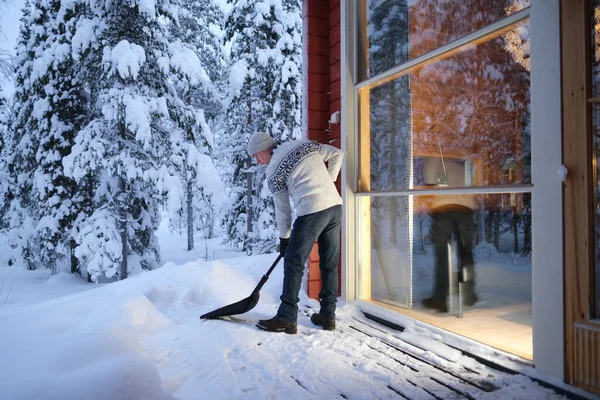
x: 360, y: 360
x: 142, y: 339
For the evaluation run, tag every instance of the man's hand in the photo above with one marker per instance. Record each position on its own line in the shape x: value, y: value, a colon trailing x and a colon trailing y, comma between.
x: 283, y: 245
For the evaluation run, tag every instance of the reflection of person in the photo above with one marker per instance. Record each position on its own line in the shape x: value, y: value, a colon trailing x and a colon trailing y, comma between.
x: 452, y: 215
x: 298, y: 170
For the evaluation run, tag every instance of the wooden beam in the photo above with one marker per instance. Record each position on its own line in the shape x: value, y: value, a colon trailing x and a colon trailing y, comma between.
x: 577, y: 157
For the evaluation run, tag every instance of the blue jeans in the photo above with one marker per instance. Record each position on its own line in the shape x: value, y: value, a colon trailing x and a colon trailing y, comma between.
x: 324, y: 226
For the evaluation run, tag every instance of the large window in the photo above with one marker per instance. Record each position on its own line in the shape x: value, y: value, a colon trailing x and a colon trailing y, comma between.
x: 444, y: 164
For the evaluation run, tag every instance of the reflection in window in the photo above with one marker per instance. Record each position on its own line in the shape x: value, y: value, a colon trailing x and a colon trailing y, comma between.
x: 390, y: 138
x: 384, y: 37
x: 421, y: 246
x: 460, y: 121
x: 395, y: 31
x: 595, y: 24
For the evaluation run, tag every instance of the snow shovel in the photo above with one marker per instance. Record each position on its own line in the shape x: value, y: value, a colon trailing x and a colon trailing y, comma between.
x: 244, y: 305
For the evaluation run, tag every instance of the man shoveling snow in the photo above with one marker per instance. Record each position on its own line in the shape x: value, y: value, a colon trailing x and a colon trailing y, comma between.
x: 298, y: 170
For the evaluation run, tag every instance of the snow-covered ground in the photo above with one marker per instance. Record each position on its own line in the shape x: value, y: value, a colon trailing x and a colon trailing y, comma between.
x: 61, y: 338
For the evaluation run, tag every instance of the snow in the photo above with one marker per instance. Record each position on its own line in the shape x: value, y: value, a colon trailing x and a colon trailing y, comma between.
x: 148, y: 7
x: 187, y: 63
x: 126, y: 57
x: 208, y: 177
x: 96, y: 245
x: 237, y: 76
x: 142, y: 338
x: 137, y: 116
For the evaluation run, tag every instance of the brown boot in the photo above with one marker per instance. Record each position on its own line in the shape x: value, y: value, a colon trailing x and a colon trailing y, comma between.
x: 435, y: 303
x: 327, y: 324
x: 276, y: 325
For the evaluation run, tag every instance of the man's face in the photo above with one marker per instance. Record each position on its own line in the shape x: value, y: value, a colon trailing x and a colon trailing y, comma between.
x: 263, y: 157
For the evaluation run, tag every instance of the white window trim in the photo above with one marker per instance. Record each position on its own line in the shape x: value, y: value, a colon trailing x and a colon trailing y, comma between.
x: 547, y: 202
x: 348, y: 105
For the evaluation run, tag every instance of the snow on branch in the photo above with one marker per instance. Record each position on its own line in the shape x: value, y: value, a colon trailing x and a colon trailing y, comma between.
x: 6, y: 60
x: 126, y: 57
x: 184, y: 61
x: 517, y: 41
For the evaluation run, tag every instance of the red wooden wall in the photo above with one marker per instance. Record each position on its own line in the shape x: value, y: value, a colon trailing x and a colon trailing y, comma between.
x: 321, y: 39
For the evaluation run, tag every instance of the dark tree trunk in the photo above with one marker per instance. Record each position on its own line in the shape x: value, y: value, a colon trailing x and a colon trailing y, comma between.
x: 73, y: 259
x: 249, y: 208
x: 190, y: 216
x: 123, y: 216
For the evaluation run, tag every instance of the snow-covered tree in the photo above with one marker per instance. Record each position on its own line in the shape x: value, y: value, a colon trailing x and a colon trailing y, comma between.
x: 123, y: 50
x: 264, y: 95
x: 390, y: 102
x: 6, y: 184
x: 476, y: 100
x: 517, y: 41
x: 20, y: 146
x: 49, y: 110
x: 61, y: 114
x: 287, y: 93
x: 5, y: 112
x: 199, y: 29
x: 197, y: 65
x: 390, y: 114
x: 6, y: 69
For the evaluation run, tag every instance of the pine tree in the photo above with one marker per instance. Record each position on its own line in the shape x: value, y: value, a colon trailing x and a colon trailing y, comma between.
x: 126, y: 145
x: 287, y: 99
x: 49, y: 109
x: 390, y: 116
x: 6, y: 183
x: 198, y: 29
x: 20, y: 146
x: 287, y: 112
x: 5, y: 118
x: 197, y: 64
x: 264, y: 95
x: 58, y: 198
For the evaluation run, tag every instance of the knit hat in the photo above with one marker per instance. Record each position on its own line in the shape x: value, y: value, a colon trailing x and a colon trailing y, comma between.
x: 258, y: 142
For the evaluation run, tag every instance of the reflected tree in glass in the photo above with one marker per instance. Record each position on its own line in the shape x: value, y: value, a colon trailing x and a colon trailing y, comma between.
x: 390, y: 105
x: 475, y: 106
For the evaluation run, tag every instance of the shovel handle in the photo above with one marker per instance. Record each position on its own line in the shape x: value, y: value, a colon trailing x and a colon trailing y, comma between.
x: 265, y: 277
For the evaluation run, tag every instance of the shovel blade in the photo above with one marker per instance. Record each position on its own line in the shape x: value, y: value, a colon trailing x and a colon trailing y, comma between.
x: 239, y: 307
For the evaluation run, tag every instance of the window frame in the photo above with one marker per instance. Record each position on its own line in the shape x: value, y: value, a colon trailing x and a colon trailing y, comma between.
x: 547, y: 201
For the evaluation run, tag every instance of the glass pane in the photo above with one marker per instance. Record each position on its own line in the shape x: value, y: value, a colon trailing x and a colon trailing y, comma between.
x: 395, y: 31
x: 595, y: 23
x: 457, y: 122
x: 423, y: 246
x: 391, y: 255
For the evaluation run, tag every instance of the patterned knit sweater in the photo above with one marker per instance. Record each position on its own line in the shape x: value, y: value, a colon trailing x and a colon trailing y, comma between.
x: 297, y: 170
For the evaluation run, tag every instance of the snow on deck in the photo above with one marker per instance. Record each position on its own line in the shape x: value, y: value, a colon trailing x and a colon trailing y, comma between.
x: 142, y: 339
